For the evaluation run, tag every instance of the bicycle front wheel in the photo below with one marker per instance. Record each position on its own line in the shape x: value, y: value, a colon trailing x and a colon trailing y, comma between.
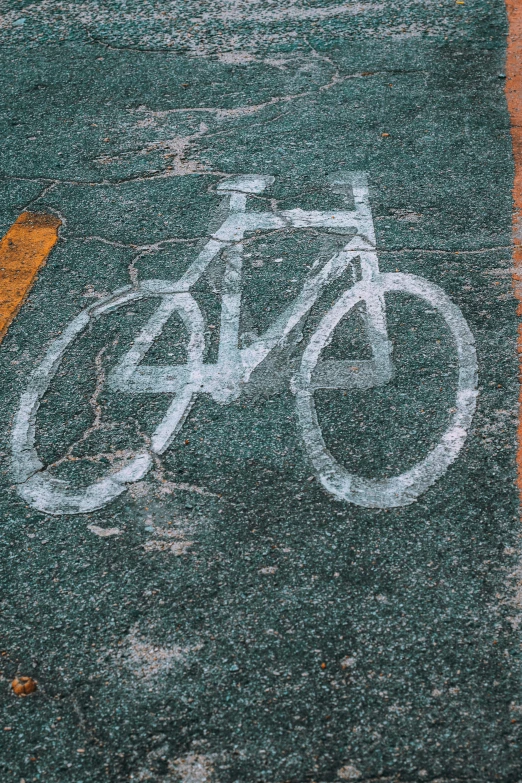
x: 403, y: 489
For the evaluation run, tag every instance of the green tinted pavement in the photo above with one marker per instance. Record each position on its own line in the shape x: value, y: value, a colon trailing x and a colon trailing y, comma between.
x: 241, y: 608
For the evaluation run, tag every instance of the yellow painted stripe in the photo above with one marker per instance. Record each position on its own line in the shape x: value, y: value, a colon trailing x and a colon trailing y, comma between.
x: 23, y: 251
x: 514, y: 100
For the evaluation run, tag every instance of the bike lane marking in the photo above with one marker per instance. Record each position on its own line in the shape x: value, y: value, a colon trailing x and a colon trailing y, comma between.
x: 47, y: 495
x: 23, y: 251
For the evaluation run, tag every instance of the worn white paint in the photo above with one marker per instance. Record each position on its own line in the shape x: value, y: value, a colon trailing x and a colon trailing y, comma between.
x: 104, y: 532
x: 405, y: 488
x: 225, y: 379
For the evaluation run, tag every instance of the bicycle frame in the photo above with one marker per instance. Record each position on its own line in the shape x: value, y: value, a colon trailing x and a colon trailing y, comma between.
x: 224, y: 379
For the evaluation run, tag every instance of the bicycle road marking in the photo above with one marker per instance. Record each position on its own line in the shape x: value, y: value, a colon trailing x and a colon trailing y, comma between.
x: 23, y: 251
x: 225, y: 378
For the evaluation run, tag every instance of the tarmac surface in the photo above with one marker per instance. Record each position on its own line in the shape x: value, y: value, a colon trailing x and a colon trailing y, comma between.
x: 226, y: 572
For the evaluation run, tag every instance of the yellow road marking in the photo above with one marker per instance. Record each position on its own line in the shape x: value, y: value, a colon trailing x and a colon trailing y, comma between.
x: 514, y: 101
x: 23, y: 251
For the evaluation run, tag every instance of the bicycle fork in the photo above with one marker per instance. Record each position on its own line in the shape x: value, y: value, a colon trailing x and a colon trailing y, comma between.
x: 380, y: 369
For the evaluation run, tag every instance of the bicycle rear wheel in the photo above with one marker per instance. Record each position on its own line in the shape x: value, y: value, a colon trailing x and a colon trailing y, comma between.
x: 35, y: 482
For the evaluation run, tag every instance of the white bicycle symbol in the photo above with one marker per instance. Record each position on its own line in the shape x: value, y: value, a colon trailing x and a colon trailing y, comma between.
x: 225, y: 379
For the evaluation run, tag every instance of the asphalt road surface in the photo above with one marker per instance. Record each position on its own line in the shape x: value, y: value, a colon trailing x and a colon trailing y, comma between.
x: 260, y: 515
